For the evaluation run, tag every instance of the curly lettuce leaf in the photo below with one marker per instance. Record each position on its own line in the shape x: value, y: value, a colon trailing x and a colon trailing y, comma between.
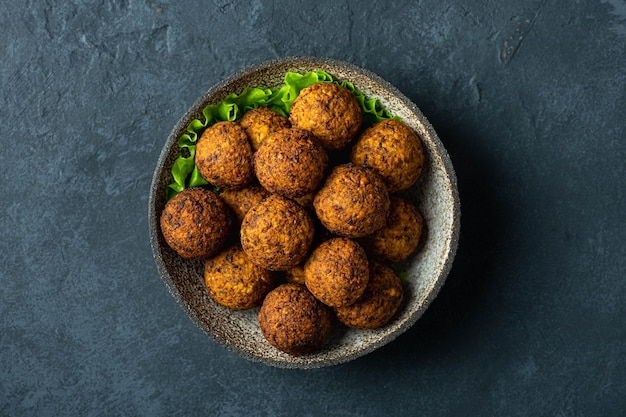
x: 373, y: 111
x: 184, y: 171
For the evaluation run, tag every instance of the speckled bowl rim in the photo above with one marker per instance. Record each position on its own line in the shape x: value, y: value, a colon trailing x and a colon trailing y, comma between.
x: 216, y: 93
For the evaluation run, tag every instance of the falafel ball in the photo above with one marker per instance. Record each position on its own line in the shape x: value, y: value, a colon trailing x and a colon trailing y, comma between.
x: 195, y: 223
x: 378, y: 304
x: 233, y: 281
x: 277, y: 233
x: 394, y: 150
x: 331, y: 112
x: 337, y: 272
x: 401, y: 235
x: 293, y: 320
x: 290, y: 162
x: 260, y: 123
x: 353, y: 201
x: 224, y: 156
x: 242, y: 200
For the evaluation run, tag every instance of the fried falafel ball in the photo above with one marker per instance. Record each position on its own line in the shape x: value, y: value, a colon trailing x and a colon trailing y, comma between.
x: 394, y: 150
x: 337, y: 272
x: 331, y: 112
x: 195, y: 223
x: 352, y: 202
x: 290, y: 162
x: 242, y: 200
x: 378, y: 304
x: 293, y: 320
x: 234, y: 281
x: 277, y: 233
x: 224, y: 156
x: 260, y: 123
x: 401, y: 235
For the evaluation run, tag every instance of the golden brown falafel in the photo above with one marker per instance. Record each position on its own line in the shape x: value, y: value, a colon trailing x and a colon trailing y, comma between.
x: 395, y: 152
x: 242, y: 200
x: 337, y: 272
x: 331, y: 112
x: 378, y: 304
x: 195, y: 223
x: 290, y: 162
x: 353, y: 201
x: 277, y: 233
x: 234, y: 281
x: 224, y: 156
x: 293, y: 320
x: 401, y: 235
x: 260, y: 123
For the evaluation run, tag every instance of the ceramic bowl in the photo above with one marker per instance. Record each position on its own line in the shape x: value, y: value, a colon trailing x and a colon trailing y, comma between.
x: 435, y: 194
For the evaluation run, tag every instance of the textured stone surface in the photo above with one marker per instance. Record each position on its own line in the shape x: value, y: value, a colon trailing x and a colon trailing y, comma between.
x: 529, y: 99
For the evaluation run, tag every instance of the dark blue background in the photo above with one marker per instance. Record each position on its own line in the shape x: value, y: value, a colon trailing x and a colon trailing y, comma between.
x: 529, y: 97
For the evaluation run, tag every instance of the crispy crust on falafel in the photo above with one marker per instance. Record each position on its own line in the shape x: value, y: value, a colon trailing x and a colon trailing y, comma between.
x: 337, y: 272
x: 331, y: 112
x: 293, y: 320
x: 234, y: 281
x: 353, y: 201
x: 260, y: 123
x: 224, y: 156
x: 290, y: 162
x: 242, y: 200
x: 195, y: 223
x: 395, y: 152
x: 277, y: 233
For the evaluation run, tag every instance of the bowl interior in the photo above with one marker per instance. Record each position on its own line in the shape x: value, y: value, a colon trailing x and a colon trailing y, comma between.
x: 435, y: 194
